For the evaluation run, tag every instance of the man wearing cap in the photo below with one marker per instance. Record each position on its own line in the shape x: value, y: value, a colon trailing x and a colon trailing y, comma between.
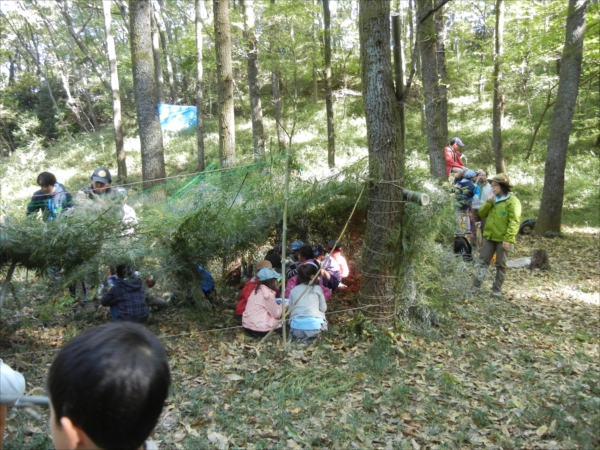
x: 100, y: 187
x: 503, y: 212
x: 453, y: 157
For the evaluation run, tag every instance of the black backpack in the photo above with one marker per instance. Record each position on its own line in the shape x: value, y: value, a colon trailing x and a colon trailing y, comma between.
x: 462, y: 247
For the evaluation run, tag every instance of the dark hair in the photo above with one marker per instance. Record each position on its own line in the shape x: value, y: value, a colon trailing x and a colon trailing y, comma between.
x: 124, y: 271
x: 505, y: 188
x: 268, y: 283
x: 111, y: 381
x: 306, y: 272
x: 46, y: 179
x: 318, y: 250
x: 306, y: 252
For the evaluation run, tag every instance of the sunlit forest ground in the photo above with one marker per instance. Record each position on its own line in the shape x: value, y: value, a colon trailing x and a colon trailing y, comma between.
x: 521, y: 372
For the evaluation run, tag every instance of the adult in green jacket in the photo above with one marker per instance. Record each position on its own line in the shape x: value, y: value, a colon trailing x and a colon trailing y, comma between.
x: 503, y: 212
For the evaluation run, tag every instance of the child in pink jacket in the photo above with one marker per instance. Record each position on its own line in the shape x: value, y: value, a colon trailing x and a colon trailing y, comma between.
x: 262, y: 311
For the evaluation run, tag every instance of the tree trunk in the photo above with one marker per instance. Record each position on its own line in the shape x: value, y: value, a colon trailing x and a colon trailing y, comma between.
x: 315, y: 84
x: 58, y: 113
x: 278, y: 108
x: 382, y: 238
x: 200, y: 121
x: 550, y: 216
x: 153, y: 159
x: 116, y: 94
x: 88, y: 98
x: 440, y: 31
x: 429, y: 74
x: 158, y: 72
x: 224, y: 82
x: 163, y: 41
x: 328, y: 93
x: 399, y: 73
x: 72, y: 103
x: 498, y: 103
x: 258, y: 132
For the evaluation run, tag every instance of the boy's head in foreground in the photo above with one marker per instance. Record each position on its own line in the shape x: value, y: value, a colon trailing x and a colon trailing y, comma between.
x: 107, y: 388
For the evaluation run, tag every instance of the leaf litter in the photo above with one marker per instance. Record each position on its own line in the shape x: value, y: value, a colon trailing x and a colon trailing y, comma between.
x: 519, y: 372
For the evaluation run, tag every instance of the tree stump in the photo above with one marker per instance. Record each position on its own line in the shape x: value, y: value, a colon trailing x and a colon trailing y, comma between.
x: 539, y: 260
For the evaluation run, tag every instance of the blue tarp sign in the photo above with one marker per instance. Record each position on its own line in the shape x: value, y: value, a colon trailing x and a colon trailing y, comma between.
x: 177, y: 117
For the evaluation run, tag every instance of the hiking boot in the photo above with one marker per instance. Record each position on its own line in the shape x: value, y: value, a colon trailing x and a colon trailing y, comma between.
x: 497, y: 293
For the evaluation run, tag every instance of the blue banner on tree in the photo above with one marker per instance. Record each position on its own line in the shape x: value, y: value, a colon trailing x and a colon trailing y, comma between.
x: 177, y: 117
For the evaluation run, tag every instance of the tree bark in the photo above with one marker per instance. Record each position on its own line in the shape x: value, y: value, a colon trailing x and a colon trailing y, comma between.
x: 158, y: 71
x: 328, y: 93
x: 258, y: 132
x: 440, y: 31
x: 224, y: 82
x: 199, y: 74
x: 382, y: 242
x: 153, y: 159
x: 429, y: 72
x: 116, y: 94
x: 550, y: 216
x: 498, y: 103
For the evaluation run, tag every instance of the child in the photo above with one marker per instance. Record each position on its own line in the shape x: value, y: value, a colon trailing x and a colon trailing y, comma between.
x: 107, y: 388
x: 12, y: 386
x: 331, y: 275
x: 307, y: 306
x: 248, y: 288
x: 335, y: 250
x: 126, y: 298
x: 306, y: 255
x: 262, y: 311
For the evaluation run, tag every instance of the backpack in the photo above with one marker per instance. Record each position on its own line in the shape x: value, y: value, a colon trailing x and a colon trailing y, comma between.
x: 462, y: 247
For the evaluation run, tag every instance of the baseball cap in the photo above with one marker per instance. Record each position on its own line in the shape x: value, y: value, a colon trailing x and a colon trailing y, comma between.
x: 102, y: 175
x: 266, y: 273
x: 470, y: 174
x: 318, y: 249
x: 457, y: 141
x: 296, y: 245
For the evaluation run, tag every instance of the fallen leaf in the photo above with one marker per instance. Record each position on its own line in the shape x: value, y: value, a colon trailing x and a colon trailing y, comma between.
x: 234, y: 377
x: 541, y: 430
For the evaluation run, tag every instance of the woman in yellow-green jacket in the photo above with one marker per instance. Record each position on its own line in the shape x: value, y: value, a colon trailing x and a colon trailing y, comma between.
x: 503, y: 212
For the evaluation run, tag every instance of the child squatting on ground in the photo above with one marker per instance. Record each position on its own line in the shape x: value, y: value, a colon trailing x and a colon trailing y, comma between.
x: 107, y: 388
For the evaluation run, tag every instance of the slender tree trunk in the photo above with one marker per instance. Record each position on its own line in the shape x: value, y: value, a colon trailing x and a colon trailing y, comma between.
x: 399, y: 73
x: 66, y: 15
x: 498, y: 103
x: 429, y: 71
x: 153, y: 159
x: 224, y: 82
x: 440, y: 31
x: 63, y: 124
x: 328, y: 93
x: 158, y: 71
x: 315, y: 81
x: 258, y: 132
x: 116, y: 94
x: 200, y: 121
x: 72, y: 103
x: 88, y: 98
x: 163, y: 41
x: 382, y: 244
x: 278, y: 108
x: 550, y: 216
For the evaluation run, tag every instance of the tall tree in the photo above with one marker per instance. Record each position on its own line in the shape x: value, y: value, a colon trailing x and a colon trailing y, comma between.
x: 158, y: 71
x: 429, y: 74
x: 200, y: 122
x: 382, y: 237
x: 116, y: 93
x: 224, y: 82
x: 162, y: 31
x: 498, y: 103
x: 440, y: 30
x: 258, y: 132
x: 550, y: 216
x: 153, y: 158
x: 328, y: 93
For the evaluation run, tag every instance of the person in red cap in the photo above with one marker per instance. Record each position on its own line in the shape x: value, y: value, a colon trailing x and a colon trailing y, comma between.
x: 453, y: 156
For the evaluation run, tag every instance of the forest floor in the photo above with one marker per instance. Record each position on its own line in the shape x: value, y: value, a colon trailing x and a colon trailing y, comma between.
x: 520, y: 372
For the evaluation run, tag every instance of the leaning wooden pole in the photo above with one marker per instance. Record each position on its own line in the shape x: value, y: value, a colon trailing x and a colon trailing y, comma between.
x: 284, y: 239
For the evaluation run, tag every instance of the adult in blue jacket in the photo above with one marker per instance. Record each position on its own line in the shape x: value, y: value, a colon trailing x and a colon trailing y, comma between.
x: 51, y: 199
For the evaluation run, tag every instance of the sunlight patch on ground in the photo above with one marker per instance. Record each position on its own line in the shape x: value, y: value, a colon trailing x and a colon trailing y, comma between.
x: 581, y: 230
x: 593, y: 297
x: 132, y: 144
